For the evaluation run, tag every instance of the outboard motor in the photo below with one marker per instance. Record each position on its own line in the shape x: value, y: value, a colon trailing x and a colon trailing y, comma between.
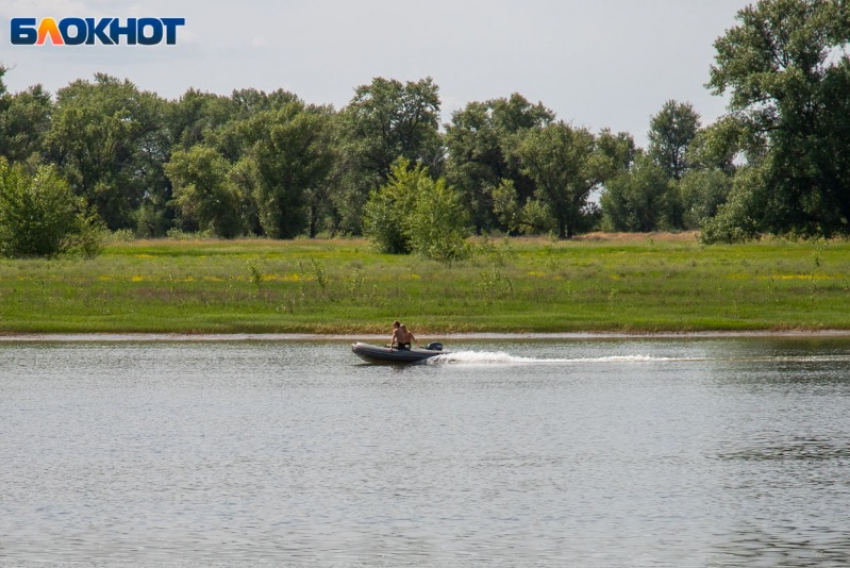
x: 434, y: 346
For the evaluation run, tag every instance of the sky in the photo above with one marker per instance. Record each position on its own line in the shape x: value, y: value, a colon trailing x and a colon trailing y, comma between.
x: 596, y: 63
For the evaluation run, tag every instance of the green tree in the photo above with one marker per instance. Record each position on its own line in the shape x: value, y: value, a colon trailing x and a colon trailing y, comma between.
x: 109, y: 140
x: 38, y: 214
x: 387, y: 120
x: 196, y: 116
x: 480, y: 140
x: 290, y: 155
x: 507, y: 209
x: 719, y: 145
x: 563, y: 163
x: 232, y: 139
x: 671, y: 132
x: 638, y: 200
x: 737, y: 219
x: 617, y: 152
x: 384, y: 121
x: 788, y: 76
x: 532, y: 217
x: 250, y: 102
x: 24, y: 123
x: 204, y: 191
x: 702, y: 193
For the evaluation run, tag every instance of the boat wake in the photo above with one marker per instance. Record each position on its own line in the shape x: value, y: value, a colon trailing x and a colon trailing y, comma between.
x: 485, y: 358
x: 501, y: 358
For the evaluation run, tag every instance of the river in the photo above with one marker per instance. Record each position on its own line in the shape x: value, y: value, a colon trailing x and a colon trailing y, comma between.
x: 585, y: 451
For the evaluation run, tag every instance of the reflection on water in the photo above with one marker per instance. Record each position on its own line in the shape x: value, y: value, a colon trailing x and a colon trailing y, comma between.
x: 793, y: 547
x: 591, y: 452
x: 802, y: 448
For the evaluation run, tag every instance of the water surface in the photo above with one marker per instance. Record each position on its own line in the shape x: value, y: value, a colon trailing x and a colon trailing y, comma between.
x: 583, y: 452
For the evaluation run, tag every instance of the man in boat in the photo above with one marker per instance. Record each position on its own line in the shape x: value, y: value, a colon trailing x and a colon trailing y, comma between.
x: 401, y: 336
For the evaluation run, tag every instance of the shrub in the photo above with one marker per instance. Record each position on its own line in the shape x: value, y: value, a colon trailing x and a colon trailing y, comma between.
x: 389, y: 206
x: 736, y: 218
x: 89, y: 238
x: 414, y: 213
x: 438, y: 226
x: 123, y: 236
x: 38, y: 214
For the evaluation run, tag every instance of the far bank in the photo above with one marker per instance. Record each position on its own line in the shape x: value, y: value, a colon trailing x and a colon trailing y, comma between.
x: 599, y: 283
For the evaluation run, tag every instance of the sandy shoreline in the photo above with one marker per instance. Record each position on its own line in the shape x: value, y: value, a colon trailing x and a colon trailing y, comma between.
x: 293, y: 337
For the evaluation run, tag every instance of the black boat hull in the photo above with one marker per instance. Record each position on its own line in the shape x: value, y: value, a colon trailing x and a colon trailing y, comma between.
x: 378, y: 354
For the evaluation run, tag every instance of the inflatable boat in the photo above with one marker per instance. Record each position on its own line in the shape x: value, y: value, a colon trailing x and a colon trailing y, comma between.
x: 379, y: 354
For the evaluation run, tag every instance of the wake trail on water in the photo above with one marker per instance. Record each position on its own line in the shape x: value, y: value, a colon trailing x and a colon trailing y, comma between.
x: 502, y: 358
x: 496, y: 358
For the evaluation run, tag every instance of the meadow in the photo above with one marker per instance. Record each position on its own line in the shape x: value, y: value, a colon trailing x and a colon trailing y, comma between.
x: 597, y: 283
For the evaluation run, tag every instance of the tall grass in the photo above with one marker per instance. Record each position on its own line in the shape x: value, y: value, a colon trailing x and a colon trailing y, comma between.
x: 612, y: 283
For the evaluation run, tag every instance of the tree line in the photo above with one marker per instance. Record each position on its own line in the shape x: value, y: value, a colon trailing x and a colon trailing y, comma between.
x: 271, y: 164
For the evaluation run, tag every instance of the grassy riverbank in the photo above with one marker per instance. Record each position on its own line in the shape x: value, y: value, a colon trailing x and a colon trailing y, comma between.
x: 613, y: 283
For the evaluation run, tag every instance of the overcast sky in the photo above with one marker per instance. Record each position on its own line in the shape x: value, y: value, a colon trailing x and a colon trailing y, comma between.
x: 596, y: 63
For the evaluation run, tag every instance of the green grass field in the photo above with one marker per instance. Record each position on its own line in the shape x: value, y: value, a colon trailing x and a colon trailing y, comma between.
x: 597, y: 283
